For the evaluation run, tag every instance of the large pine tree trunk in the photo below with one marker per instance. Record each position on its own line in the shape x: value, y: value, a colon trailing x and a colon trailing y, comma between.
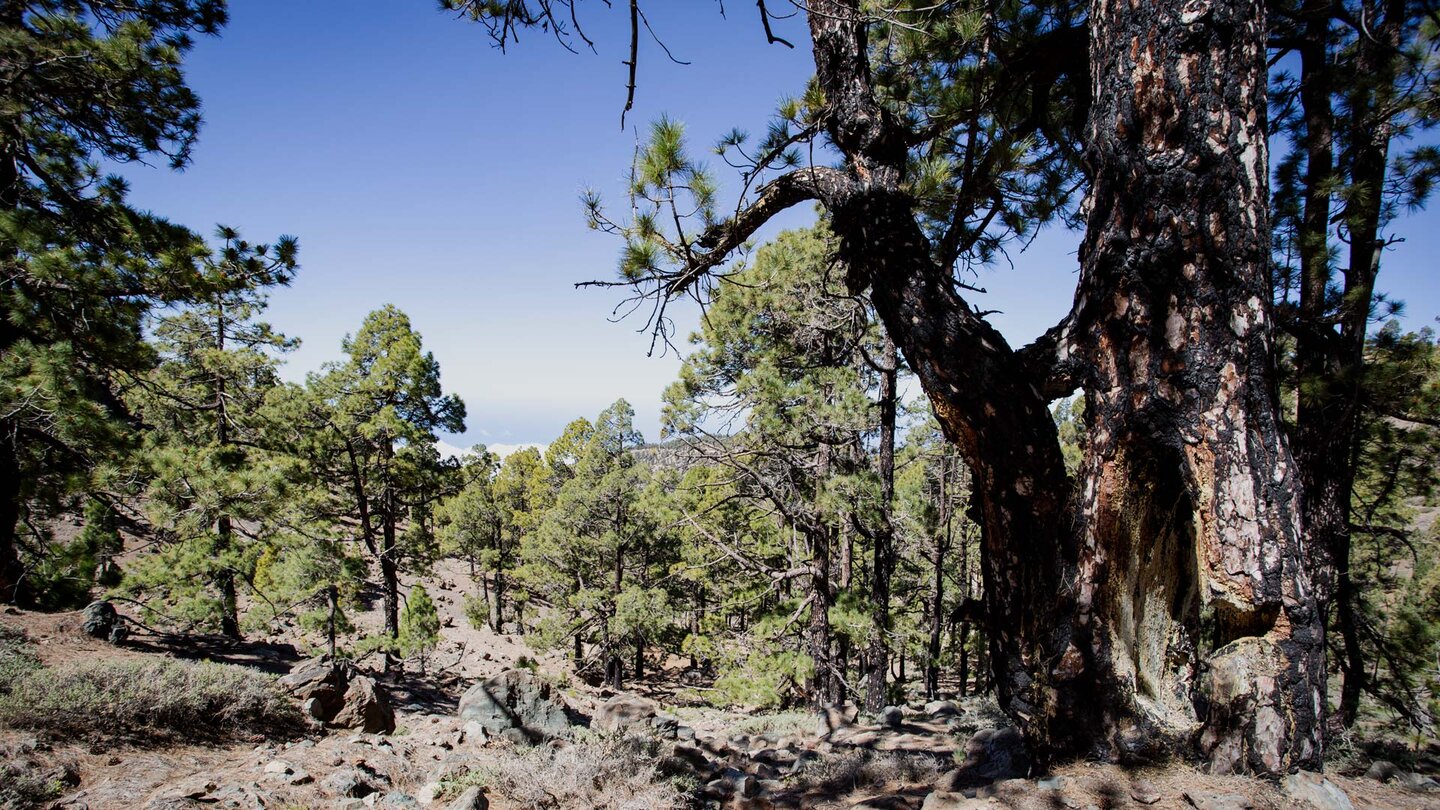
x: 1190, y: 503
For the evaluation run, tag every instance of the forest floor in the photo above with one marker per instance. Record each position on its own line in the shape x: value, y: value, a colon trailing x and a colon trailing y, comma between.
x: 776, y: 760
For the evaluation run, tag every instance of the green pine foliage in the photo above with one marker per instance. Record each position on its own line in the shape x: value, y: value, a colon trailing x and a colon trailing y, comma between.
x: 211, y: 490
x: 419, y: 626
x: 82, y: 85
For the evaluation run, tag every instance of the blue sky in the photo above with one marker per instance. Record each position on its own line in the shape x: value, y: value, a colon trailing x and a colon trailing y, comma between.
x: 421, y: 167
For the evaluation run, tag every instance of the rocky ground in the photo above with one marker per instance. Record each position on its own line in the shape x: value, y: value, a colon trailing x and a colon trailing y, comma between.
x: 501, y: 727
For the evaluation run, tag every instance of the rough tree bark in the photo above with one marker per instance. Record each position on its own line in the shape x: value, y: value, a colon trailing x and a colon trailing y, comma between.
x: 1190, y: 503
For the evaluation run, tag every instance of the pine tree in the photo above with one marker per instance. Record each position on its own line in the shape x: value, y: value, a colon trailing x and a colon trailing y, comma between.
x: 81, y: 85
x: 366, y: 431
x: 419, y: 626
x: 472, y: 525
x: 211, y: 489
x: 780, y: 351
x: 1350, y: 116
x: 592, y: 555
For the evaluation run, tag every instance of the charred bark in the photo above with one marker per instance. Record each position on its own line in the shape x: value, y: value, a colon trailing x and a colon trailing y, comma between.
x: 1190, y: 501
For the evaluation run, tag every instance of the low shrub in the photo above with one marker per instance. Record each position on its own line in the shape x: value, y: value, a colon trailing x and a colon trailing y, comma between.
x: 22, y: 786
x: 477, y: 611
x: 186, y: 698
x: 613, y: 773
x: 864, y: 769
x: 780, y: 724
x: 16, y: 658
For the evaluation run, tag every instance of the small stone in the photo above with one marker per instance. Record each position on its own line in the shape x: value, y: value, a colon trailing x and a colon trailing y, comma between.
x: 1217, y: 801
x: 472, y: 799
x: 1382, y: 771
x: 195, y: 787
x: 946, y: 800
x: 1143, y: 792
x: 279, y: 766
x: 347, y: 783
x: 1312, y: 790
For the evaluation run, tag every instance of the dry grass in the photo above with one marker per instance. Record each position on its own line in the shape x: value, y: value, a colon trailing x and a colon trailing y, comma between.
x: 117, y: 696
x: 613, y: 773
x: 848, y: 771
x: 778, y: 724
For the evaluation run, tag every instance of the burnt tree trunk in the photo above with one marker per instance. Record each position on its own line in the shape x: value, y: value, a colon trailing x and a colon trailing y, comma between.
x: 1187, y: 508
x: 1190, y: 504
x: 982, y: 394
x: 883, y: 565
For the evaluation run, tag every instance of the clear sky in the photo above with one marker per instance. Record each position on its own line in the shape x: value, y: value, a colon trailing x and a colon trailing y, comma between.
x: 421, y: 167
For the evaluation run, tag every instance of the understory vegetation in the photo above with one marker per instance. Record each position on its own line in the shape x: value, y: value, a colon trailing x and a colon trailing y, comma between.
x: 92, y: 696
x: 611, y: 771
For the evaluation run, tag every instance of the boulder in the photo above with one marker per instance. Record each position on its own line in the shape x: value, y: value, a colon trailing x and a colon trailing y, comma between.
x: 1382, y: 771
x: 321, y: 681
x: 365, y: 708
x: 996, y: 753
x: 100, y: 619
x: 1417, y: 781
x: 519, y: 700
x: 942, y: 708
x: 624, y: 712
x: 1311, y: 790
x: 892, y: 717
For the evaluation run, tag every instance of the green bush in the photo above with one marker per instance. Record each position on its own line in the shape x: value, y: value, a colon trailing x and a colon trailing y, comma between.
x: 16, y: 659
x: 189, y: 699
x: 24, y: 784
x: 477, y: 611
